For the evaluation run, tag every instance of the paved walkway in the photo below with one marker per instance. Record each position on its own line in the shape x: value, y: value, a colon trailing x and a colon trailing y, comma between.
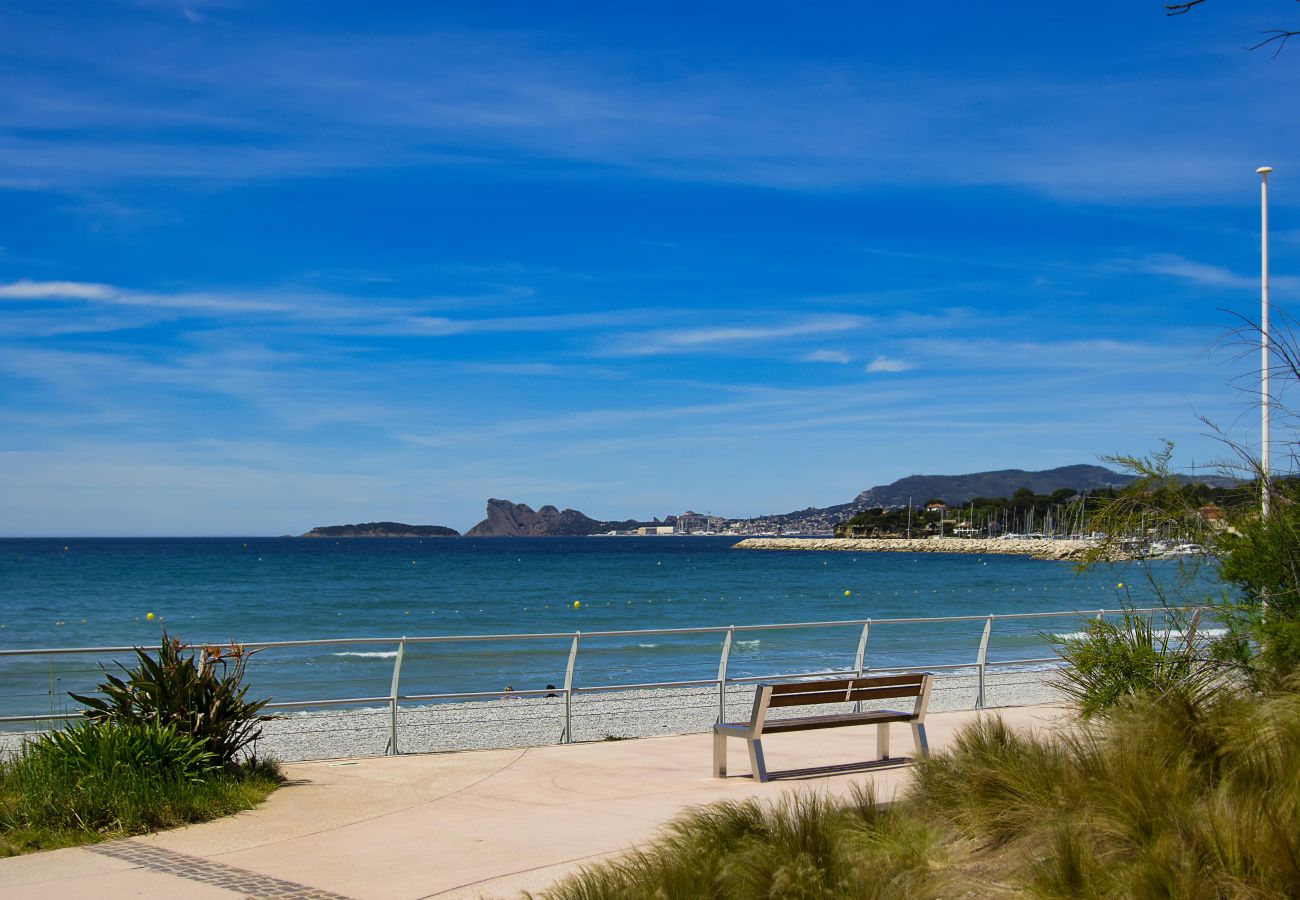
x: 486, y: 823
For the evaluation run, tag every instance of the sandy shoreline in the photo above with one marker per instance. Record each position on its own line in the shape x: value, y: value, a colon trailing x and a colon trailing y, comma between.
x: 538, y: 721
x: 1069, y: 550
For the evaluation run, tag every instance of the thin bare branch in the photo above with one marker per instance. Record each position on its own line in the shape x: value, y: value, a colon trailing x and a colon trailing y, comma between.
x: 1277, y: 35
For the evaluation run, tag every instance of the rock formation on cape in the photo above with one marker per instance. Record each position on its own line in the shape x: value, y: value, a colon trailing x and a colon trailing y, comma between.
x: 506, y: 519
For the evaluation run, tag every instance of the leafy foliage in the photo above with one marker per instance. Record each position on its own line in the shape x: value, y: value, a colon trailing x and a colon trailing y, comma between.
x: 1257, y: 554
x: 1110, y: 662
x: 1261, y: 557
x: 201, y: 694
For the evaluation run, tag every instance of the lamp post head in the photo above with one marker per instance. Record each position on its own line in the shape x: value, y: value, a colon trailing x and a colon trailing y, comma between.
x: 1264, y: 170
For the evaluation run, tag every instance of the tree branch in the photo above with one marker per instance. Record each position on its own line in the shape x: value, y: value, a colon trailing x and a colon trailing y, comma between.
x: 1277, y: 35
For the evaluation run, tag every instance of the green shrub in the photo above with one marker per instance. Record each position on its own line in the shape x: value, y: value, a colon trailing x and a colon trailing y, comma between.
x: 200, y: 693
x: 101, y: 778
x: 1114, y: 661
x: 1260, y: 556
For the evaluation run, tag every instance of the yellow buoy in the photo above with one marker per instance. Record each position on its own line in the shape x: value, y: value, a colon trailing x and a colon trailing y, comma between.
x: 577, y: 604
x: 1120, y: 585
x: 149, y: 617
x: 848, y: 593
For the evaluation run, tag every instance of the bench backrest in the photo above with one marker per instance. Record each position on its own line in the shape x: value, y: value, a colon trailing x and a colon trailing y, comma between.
x: 843, y: 690
x: 847, y: 690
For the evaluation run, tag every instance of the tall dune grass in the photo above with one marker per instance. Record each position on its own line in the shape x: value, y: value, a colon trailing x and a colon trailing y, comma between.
x: 806, y: 847
x: 1177, y: 796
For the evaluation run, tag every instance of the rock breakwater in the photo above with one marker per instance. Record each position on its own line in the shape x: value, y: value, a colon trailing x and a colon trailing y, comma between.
x: 1038, y: 548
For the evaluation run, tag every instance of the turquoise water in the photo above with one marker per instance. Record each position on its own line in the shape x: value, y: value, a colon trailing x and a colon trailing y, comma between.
x: 97, y: 592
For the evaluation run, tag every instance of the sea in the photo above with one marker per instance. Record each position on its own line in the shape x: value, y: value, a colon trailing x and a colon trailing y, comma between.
x: 356, y: 599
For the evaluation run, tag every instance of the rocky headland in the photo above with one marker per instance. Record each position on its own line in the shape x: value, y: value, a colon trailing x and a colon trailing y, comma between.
x: 381, y: 530
x: 506, y: 519
x: 1038, y: 548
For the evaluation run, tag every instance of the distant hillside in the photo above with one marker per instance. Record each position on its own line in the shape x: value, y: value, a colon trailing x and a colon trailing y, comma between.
x: 506, y: 519
x: 958, y: 489
x: 383, y: 530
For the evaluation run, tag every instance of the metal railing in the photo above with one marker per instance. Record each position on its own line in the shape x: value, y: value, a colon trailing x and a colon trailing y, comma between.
x: 980, y: 662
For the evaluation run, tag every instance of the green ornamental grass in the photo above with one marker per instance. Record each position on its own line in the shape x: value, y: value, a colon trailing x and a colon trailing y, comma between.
x: 102, y: 779
x: 806, y: 847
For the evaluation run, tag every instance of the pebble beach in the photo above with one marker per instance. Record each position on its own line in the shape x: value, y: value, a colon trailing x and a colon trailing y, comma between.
x: 614, y: 715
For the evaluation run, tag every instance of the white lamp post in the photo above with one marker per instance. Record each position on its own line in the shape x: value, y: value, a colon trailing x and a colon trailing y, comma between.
x: 1264, y: 355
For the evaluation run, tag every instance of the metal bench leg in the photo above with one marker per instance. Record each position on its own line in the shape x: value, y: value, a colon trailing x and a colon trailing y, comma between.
x: 882, y: 740
x: 756, y: 760
x: 918, y: 735
x: 719, y: 755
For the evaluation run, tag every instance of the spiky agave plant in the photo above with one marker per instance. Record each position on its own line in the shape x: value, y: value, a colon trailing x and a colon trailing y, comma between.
x: 199, y: 692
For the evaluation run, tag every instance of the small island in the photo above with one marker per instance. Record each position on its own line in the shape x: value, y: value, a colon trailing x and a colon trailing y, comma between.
x: 381, y: 530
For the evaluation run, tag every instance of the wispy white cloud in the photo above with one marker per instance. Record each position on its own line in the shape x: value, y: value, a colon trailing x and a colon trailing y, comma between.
x: 540, y: 370
x: 888, y: 364
x: 320, y: 312
x: 1202, y: 274
x: 828, y: 356
x: 703, y: 339
x: 25, y: 289
x: 990, y: 355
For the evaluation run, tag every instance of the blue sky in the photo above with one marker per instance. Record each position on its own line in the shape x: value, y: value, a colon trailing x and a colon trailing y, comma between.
x: 270, y: 266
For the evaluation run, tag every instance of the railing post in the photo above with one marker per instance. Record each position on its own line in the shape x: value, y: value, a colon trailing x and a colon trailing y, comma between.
x: 392, y: 697
x: 860, y: 660
x: 981, y: 660
x: 568, y: 688
x: 722, y: 673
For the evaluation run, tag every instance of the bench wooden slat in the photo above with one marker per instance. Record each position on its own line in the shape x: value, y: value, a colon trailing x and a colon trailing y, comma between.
x: 799, y: 723
x: 885, y: 693
x: 810, y: 723
x: 810, y: 698
x: 826, y: 684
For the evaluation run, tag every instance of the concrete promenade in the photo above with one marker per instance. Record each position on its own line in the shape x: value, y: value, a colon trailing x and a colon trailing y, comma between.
x: 484, y: 823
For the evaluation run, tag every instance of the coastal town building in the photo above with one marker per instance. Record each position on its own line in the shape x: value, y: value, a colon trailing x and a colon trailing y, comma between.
x: 694, y: 523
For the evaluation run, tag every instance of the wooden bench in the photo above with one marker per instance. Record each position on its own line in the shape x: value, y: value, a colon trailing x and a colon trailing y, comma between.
x: 812, y: 693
